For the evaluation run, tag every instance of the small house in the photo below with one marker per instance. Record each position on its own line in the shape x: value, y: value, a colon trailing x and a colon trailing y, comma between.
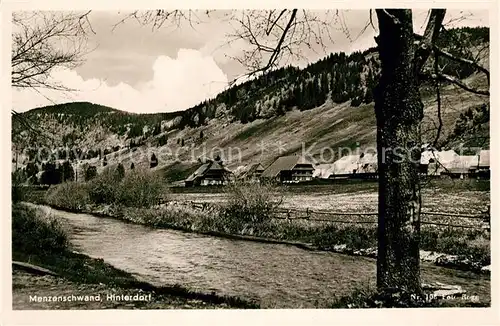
x: 289, y: 169
x: 208, y: 174
x: 439, y: 161
x: 355, y: 166
x: 253, y: 173
x: 461, y: 167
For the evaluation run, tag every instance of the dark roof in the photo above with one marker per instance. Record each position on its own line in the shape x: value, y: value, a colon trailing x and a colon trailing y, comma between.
x: 204, y: 168
x: 255, y: 168
x: 199, y: 172
x: 283, y: 163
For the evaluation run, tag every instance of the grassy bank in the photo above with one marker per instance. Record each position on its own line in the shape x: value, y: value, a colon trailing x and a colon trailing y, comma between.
x: 40, y: 240
x: 369, y: 297
x: 251, y: 210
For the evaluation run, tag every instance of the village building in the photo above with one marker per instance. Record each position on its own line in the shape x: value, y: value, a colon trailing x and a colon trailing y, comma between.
x: 253, y: 173
x: 438, y: 161
x: 450, y: 164
x: 322, y: 171
x: 354, y: 166
x: 462, y: 167
x: 209, y: 173
x: 289, y: 169
x: 432, y: 164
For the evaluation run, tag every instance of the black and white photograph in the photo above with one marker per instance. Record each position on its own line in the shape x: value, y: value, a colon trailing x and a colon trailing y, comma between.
x: 250, y: 158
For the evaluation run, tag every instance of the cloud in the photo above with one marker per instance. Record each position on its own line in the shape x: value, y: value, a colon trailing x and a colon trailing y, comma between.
x: 177, y: 84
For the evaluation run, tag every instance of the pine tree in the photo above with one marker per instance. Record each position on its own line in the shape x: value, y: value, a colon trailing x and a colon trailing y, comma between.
x: 120, y: 172
x: 90, y: 173
x: 154, y: 161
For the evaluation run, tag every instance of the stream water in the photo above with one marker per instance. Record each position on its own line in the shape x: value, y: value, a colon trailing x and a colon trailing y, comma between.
x: 276, y: 276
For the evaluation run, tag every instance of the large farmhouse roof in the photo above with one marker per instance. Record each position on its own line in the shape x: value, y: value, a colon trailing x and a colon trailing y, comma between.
x: 346, y: 164
x: 283, y: 163
x: 204, y: 168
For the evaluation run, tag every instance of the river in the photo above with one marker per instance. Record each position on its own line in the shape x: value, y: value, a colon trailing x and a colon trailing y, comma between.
x: 276, y: 276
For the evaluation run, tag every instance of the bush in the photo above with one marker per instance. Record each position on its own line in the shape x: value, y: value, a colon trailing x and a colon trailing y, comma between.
x: 90, y: 173
x: 34, y: 234
x: 70, y: 195
x: 140, y: 189
x: 251, y: 204
x: 102, y: 189
x: 18, y: 191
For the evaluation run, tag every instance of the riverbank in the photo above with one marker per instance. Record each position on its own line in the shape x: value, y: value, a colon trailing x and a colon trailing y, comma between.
x: 255, y: 211
x: 72, y: 273
x: 349, y: 240
x: 275, y: 276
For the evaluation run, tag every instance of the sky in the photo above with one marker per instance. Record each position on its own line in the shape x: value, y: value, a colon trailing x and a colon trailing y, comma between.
x: 139, y: 69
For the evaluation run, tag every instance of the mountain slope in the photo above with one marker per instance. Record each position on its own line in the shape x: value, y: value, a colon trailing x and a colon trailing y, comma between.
x: 328, y: 105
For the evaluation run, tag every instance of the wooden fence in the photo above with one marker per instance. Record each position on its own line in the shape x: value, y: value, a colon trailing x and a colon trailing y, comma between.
x: 327, y: 216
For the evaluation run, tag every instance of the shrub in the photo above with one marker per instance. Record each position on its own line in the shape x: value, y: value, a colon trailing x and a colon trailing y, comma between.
x: 251, y: 204
x: 70, y: 195
x: 140, y: 189
x: 67, y: 172
x: 32, y: 233
x: 18, y: 191
x: 102, y: 189
x: 162, y: 140
x: 90, y: 173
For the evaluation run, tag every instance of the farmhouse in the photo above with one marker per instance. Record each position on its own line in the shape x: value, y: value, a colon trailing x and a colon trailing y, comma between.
x: 450, y: 164
x: 439, y: 161
x: 354, y: 166
x: 289, y: 169
x: 322, y: 171
x: 253, y: 173
x: 209, y: 173
x: 461, y: 167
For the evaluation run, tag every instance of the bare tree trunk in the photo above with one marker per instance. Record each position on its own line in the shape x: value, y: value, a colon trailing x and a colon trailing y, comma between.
x: 399, y: 111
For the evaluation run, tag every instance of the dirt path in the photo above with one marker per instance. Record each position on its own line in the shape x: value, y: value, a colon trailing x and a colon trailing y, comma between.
x: 30, y: 289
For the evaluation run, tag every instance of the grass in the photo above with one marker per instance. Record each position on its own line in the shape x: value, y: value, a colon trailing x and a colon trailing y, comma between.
x: 369, y: 297
x: 32, y: 233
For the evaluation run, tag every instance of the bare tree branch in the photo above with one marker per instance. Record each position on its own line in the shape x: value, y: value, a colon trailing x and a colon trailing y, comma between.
x: 438, y: 99
x: 43, y: 41
x: 462, y: 60
x: 430, y: 36
x: 459, y: 83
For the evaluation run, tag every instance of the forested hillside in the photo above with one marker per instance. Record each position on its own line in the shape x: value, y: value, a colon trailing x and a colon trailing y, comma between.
x: 329, y: 102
